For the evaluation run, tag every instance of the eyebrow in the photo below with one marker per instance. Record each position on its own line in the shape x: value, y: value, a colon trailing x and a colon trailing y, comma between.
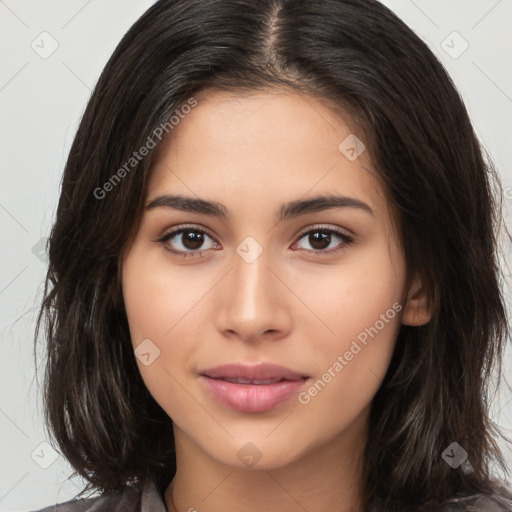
x: 286, y: 211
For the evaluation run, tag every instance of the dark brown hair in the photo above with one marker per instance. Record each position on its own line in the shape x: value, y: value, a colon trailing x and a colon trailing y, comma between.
x: 355, y: 54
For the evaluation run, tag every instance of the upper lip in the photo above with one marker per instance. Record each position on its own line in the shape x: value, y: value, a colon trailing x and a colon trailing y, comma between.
x: 262, y: 371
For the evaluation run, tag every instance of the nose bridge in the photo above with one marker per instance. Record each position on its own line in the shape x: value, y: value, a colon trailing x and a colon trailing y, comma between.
x: 252, y: 281
x: 251, y: 301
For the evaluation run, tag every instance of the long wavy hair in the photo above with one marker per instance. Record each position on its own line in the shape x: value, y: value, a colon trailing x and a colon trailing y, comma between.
x: 358, y: 56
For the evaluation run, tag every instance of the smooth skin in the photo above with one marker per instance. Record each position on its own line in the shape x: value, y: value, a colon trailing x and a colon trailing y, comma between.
x: 291, y: 306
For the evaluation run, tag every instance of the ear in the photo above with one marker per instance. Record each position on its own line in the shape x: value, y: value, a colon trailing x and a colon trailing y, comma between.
x: 416, y: 312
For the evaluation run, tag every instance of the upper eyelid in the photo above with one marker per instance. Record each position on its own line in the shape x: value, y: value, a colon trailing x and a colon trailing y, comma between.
x: 320, y: 227
x: 182, y: 227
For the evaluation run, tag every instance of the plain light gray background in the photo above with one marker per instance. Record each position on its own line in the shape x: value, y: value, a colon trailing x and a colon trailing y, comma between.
x: 42, y: 97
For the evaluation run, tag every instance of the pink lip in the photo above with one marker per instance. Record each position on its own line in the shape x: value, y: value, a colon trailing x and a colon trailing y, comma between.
x: 255, y: 396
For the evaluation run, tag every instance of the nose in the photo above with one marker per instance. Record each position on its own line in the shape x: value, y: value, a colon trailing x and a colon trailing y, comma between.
x: 254, y: 303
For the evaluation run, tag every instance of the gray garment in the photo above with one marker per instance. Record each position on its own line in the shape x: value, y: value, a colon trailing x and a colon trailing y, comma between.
x: 151, y: 500
x: 495, y: 503
x: 130, y: 500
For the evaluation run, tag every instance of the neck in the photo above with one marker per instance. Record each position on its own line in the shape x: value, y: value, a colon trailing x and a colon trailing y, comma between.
x: 324, y: 479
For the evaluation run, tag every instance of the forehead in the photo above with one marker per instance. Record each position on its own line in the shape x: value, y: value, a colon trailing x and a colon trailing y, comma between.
x: 273, y: 145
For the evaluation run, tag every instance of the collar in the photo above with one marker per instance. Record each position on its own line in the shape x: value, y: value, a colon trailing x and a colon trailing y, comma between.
x: 152, y: 500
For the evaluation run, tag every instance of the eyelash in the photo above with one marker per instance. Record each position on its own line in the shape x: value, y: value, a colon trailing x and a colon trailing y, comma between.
x: 346, y: 240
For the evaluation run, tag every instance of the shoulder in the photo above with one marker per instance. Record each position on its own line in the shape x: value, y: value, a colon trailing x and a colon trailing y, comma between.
x: 493, y: 504
x: 128, y: 500
x: 498, y: 502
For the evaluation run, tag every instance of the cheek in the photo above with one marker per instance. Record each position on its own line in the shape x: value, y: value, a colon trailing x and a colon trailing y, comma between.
x: 361, y: 312
x: 162, y: 310
x: 159, y: 297
x: 353, y: 360
x: 353, y: 296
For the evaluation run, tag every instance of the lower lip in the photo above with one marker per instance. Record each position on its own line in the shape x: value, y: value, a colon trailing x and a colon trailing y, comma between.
x: 252, y: 397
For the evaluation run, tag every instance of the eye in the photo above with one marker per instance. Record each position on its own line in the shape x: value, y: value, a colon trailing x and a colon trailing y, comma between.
x: 189, y: 241
x: 186, y: 241
x: 321, y: 237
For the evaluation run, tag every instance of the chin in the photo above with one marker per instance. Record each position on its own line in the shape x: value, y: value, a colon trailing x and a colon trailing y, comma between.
x: 256, y: 454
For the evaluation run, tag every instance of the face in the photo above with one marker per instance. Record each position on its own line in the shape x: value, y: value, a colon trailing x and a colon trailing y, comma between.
x: 264, y: 276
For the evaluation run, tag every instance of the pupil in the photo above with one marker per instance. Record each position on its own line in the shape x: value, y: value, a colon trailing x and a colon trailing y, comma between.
x: 193, y: 240
x: 319, y: 239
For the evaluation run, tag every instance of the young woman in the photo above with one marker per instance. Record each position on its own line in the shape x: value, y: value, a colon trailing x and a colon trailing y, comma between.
x: 274, y: 278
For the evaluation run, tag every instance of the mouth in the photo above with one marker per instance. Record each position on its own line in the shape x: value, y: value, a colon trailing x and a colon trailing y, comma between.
x: 253, y: 389
x: 251, y: 381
